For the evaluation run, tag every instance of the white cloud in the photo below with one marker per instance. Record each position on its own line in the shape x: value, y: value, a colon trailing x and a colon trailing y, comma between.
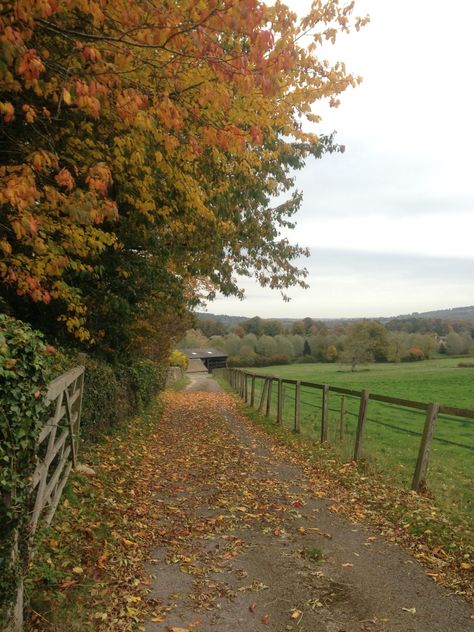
x: 442, y: 235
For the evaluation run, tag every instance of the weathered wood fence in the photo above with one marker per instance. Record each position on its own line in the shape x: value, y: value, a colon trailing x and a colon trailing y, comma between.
x: 58, y: 443
x: 244, y: 383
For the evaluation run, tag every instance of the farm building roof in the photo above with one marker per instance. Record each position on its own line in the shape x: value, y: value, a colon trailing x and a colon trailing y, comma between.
x: 204, y: 353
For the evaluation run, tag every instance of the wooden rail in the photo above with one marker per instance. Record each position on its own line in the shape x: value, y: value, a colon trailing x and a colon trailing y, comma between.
x: 58, y: 444
x: 236, y: 377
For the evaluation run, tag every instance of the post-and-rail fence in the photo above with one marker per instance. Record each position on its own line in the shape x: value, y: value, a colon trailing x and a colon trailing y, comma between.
x: 244, y: 383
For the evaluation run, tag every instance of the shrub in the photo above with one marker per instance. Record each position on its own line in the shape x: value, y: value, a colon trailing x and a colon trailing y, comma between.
x: 113, y: 394
x: 146, y: 379
x: 258, y: 360
x: 414, y: 354
x: 280, y: 358
x: 25, y: 370
x: 178, y: 358
x: 262, y: 361
x: 241, y: 360
x: 331, y: 353
x: 106, y: 401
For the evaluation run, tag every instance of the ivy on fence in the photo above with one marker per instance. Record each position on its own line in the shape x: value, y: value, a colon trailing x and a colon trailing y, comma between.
x: 25, y: 370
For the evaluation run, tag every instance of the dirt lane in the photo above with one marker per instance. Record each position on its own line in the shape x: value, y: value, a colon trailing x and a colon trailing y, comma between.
x: 202, y: 382
x: 245, y: 545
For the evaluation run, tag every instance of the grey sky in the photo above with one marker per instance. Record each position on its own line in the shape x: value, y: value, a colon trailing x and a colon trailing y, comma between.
x: 390, y: 223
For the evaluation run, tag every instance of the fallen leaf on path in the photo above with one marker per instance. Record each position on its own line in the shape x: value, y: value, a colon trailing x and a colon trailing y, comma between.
x: 67, y: 583
x: 323, y: 533
x: 410, y: 610
x: 296, y: 614
x: 265, y: 619
x: 347, y: 565
x: 252, y: 606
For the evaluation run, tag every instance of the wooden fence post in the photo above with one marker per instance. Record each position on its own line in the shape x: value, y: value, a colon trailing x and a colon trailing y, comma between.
x: 280, y: 402
x: 324, y: 414
x: 359, y: 443
x: 269, y: 397
x: 342, y: 418
x: 297, y: 427
x: 262, y: 395
x: 419, y: 478
x: 245, y: 387
x: 252, y: 392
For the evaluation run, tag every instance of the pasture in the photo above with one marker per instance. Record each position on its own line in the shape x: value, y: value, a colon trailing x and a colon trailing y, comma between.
x: 393, y: 433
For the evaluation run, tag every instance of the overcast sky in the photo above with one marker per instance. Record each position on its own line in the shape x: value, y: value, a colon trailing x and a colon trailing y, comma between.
x: 390, y: 223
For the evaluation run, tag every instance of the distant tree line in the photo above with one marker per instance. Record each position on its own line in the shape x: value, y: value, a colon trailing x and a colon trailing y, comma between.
x: 263, y: 342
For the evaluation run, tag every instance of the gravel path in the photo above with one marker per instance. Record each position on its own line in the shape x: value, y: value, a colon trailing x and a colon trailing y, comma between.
x: 246, y: 546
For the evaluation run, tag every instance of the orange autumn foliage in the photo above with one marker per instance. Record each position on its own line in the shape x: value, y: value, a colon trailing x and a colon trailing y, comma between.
x: 185, y: 117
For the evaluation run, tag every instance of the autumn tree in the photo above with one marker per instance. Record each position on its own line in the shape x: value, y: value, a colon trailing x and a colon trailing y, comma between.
x: 266, y: 346
x: 253, y: 326
x: 272, y: 327
x: 366, y: 341
x: 142, y: 144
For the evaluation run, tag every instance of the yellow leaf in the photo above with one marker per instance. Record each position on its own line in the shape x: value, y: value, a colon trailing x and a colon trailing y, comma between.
x: 410, y: 610
x: 67, y: 97
x: 78, y: 570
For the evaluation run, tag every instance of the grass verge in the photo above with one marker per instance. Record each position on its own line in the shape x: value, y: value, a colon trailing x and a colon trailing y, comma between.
x: 180, y: 384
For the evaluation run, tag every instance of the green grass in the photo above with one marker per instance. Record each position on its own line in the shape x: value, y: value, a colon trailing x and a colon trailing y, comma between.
x: 392, y: 435
x: 180, y: 384
x: 433, y: 380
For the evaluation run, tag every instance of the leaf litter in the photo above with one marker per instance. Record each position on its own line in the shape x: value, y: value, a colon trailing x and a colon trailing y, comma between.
x: 108, y: 526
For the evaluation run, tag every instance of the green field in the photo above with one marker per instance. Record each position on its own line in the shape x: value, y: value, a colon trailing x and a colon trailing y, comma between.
x: 393, y: 432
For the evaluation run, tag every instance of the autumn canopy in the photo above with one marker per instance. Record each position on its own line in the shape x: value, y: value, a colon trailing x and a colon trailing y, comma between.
x: 141, y: 144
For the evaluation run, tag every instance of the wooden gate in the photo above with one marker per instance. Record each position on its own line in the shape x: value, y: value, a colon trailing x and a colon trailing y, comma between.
x: 57, y: 443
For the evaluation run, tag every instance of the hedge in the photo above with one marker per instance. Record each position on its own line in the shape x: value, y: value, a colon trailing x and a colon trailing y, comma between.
x: 25, y: 370
x: 114, y: 393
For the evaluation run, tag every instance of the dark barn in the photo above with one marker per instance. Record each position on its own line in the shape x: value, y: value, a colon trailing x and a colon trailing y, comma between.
x: 210, y: 359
